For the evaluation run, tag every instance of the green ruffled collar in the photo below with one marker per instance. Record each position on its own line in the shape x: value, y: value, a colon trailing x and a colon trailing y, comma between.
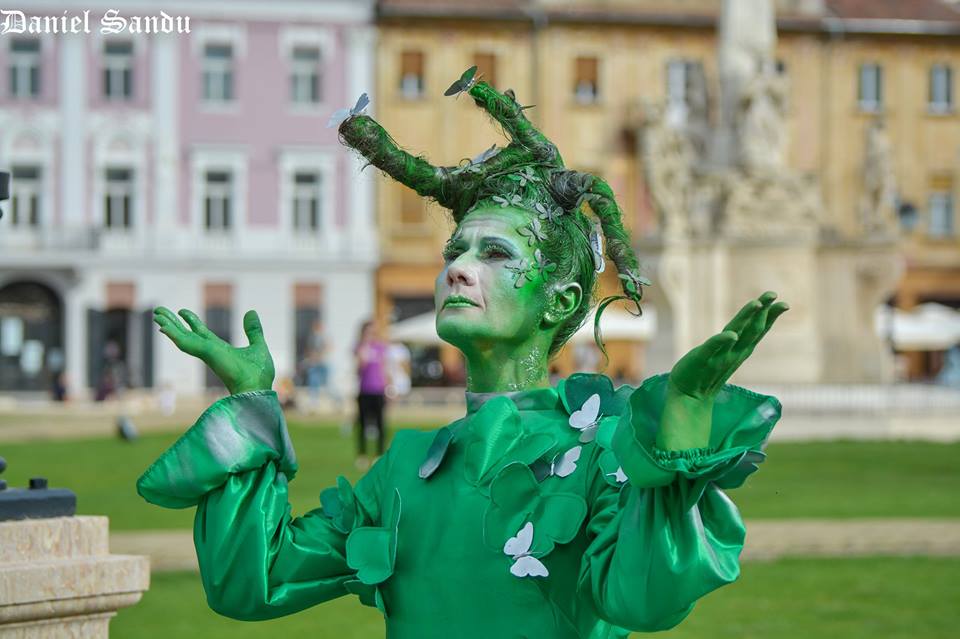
x: 523, y: 426
x: 533, y: 399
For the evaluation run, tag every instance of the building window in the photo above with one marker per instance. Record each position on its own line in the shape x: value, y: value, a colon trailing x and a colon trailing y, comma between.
x: 24, y: 65
x: 218, y: 73
x: 25, y: 196
x: 870, y: 88
x: 486, y: 64
x: 118, y: 70
x: 941, y: 207
x: 586, y: 87
x: 411, y: 74
x: 217, y: 200
x: 305, y: 75
x: 306, y: 201
x: 118, y: 198
x: 941, y: 88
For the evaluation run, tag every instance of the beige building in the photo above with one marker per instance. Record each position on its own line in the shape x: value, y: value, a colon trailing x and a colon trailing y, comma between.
x: 592, y: 67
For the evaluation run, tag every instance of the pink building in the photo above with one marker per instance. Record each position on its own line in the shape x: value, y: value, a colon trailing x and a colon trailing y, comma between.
x: 190, y: 170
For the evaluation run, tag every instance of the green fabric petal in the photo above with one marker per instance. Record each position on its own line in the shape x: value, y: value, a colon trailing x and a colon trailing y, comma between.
x: 496, y: 436
x: 237, y: 433
x: 372, y: 551
x: 609, y: 464
x: 365, y: 592
x: 575, y: 390
x: 605, y: 431
x: 339, y: 504
x: 436, y: 452
x: 516, y: 497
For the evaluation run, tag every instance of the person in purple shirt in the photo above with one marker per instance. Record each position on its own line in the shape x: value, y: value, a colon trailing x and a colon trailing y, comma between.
x: 371, y: 354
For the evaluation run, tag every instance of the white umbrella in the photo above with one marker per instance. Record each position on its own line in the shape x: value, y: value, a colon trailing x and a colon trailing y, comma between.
x: 419, y: 329
x: 929, y: 327
x: 615, y: 324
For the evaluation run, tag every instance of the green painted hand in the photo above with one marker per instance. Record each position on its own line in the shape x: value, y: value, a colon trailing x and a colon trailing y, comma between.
x: 240, y: 369
x: 705, y: 369
x: 700, y: 374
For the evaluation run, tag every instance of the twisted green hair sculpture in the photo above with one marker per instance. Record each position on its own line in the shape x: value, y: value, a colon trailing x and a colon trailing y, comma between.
x: 528, y: 175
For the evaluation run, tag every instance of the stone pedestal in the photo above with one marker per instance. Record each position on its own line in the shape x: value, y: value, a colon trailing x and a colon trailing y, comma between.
x: 58, y: 579
x: 832, y: 288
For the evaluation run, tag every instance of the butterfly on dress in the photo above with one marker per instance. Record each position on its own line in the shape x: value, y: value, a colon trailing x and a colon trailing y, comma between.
x: 524, y: 564
x: 565, y: 463
x: 467, y: 80
x: 342, y: 114
x: 587, y: 419
x: 619, y: 475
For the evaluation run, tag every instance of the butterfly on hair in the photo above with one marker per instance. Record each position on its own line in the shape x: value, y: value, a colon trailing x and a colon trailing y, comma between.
x: 340, y: 115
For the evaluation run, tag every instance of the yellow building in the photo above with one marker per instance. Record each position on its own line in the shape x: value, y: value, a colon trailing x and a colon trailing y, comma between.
x: 590, y: 66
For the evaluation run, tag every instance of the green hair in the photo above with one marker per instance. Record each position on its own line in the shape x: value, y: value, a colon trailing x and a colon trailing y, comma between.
x: 528, y: 174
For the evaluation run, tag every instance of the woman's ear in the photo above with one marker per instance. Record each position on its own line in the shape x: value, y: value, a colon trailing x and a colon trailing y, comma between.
x: 565, y: 301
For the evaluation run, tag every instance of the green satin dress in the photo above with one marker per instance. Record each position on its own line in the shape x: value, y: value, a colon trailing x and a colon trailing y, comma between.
x: 545, y: 514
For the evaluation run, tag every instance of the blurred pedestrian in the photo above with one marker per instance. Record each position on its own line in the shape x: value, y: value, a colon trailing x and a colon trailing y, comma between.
x: 112, y: 374
x: 371, y: 354
x: 58, y: 390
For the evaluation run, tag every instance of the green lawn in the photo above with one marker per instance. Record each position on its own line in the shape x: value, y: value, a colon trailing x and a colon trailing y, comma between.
x: 893, y: 598
x: 832, y: 479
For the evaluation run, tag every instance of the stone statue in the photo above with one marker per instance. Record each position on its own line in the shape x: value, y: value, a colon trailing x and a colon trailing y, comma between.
x: 761, y: 119
x: 667, y: 159
x: 878, y: 214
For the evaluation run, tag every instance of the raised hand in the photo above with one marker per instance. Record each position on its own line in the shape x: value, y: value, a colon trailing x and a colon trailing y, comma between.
x: 705, y: 369
x: 697, y: 378
x: 240, y: 369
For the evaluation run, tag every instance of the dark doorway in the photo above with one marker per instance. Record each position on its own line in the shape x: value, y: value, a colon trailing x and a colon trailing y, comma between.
x: 120, y: 345
x: 31, y: 337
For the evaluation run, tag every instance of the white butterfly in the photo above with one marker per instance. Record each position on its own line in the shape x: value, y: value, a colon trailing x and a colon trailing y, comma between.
x: 587, y: 418
x: 596, y: 243
x: 519, y: 548
x: 342, y: 114
x: 565, y: 463
x: 619, y: 475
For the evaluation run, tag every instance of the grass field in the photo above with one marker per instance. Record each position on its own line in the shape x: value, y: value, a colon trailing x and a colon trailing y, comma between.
x: 889, y: 598
x: 832, y: 479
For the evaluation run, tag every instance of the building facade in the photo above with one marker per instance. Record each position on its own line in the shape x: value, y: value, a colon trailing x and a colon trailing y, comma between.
x: 189, y: 170
x: 593, y: 69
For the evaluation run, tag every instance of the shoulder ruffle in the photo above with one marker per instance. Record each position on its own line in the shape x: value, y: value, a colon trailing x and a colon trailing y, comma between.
x: 237, y: 433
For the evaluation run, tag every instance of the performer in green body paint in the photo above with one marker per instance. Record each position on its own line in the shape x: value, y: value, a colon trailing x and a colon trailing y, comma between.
x: 575, y: 511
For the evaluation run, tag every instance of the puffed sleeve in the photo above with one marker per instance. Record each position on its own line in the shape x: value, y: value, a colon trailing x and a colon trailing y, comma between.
x: 256, y: 561
x: 669, y: 535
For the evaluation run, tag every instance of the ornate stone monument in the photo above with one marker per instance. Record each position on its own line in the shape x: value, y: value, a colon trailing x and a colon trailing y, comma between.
x: 736, y: 220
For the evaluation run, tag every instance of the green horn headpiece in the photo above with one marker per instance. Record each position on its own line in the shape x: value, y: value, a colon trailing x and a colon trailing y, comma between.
x: 528, y: 174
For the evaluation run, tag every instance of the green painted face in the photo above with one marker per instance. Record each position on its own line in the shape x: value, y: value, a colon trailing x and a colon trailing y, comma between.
x: 479, y: 303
